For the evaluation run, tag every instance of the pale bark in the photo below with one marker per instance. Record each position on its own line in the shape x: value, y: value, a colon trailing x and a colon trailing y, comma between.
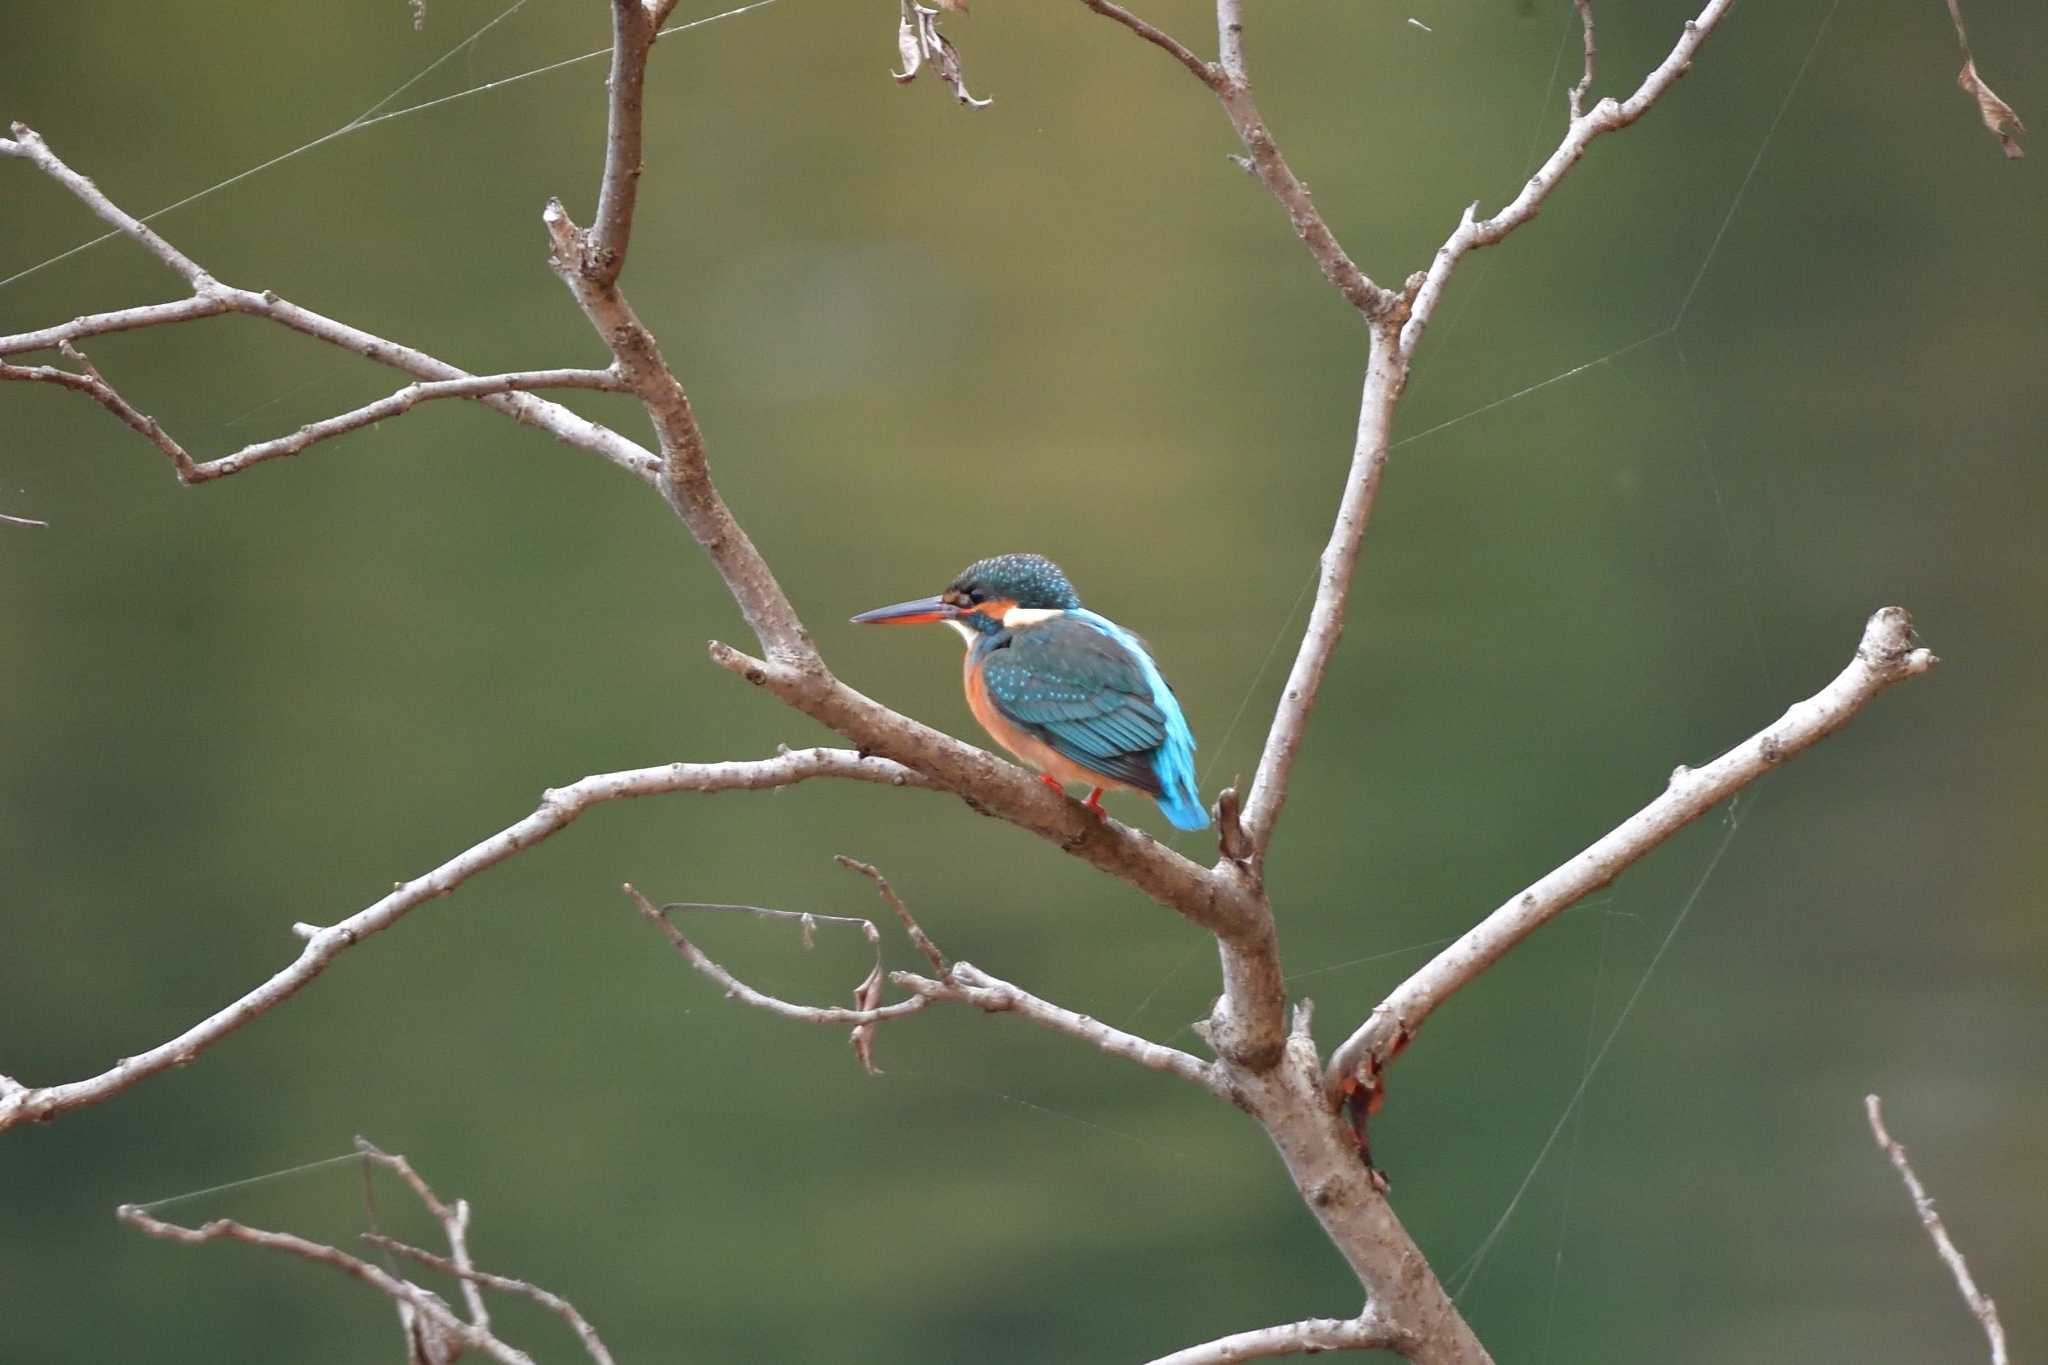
x: 1271, y: 1071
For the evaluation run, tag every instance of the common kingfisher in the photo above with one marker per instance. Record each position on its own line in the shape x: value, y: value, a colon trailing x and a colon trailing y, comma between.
x: 1072, y: 693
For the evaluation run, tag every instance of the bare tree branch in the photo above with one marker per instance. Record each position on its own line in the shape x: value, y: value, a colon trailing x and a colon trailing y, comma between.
x: 960, y: 984
x: 1605, y: 117
x: 1310, y: 1337
x: 1279, y: 179
x: 1208, y: 74
x: 435, y: 1334
x: 965, y: 984
x: 120, y: 320
x: 736, y: 989
x: 403, y: 401
x: 1979, y: 1303
x: 558, y: 809
x: 1223, y: 905
x: 94, y: 385
x: 1231, y: 83
x: 211, y: 297
x: 910, y: 925
x: 633, y: 29
x: 454, y: 1221
x: 1577, y: 99
x: 447, y: 1329
x: 593, y: 1345
x: 1270, y: 1071
x: 1385, y: 373
x: 682, y: 475
x: 1888, y: 653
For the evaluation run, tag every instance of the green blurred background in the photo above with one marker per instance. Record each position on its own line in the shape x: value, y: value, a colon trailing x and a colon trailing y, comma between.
x: 917, y: 335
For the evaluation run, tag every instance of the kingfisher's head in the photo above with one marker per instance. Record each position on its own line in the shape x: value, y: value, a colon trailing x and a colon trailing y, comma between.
x: 1007, y: 592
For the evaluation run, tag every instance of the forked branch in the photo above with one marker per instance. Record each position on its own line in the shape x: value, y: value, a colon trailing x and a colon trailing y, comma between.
x: 1888, y: 653
x: 961, y: 983
x: 1605, y: 117
x: 435, y: 1334
x: 210, y: 298
x: 558, y: 809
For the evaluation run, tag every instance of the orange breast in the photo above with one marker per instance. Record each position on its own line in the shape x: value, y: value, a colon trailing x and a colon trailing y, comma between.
x: 1022, y: 743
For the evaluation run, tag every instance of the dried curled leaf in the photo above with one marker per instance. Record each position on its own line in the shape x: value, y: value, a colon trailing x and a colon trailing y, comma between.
x: 1998, y: 116
x: 866, y: 996
x: 919, y: 42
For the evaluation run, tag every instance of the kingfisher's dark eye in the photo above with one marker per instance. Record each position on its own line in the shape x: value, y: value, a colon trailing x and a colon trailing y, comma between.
x: 977, y: 596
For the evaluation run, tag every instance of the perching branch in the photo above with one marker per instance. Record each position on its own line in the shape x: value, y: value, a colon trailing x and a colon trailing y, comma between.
x: 1980, y: 1304
x: 434, y: 1333
x: 1888, y: 653
x: 558, y: 809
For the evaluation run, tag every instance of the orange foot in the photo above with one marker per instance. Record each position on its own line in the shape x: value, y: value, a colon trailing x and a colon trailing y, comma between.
x: 1054, y: 783
x: 1094, y: 803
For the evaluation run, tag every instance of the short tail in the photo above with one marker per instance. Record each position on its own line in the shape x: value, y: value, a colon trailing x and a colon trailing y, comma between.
x: 1178, y: 795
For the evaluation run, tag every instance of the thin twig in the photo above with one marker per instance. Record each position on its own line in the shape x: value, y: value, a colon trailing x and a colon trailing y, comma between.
x: 619, y: 190
x: 212, y: 297
x: 1338, y: 568
x: 1979, y: 1303
x: 1605, y: 117
x: 94, y: 385
x: 1888, y: 653
x: 1230, y: 81
x: 1208, y: 74
x: 428, y: 1306
x: 393, y: 405
x: 1577, y: 100
x: 910, y: 925
x: 736, y: 989
x: 967, y: 984
x: 454, y: 1219
x: 119, y: 320
x: 558, y: 809
x: 593, y: 1345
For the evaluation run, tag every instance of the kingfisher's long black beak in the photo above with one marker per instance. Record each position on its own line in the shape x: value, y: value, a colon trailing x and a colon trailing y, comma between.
x: 909, y: 613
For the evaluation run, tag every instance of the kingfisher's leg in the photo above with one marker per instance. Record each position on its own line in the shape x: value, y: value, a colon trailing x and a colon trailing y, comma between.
x: 1094, y: 803
x: 1053, y: 782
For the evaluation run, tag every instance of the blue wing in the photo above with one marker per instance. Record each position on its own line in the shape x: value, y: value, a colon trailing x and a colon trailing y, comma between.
x: 1086, y: 686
